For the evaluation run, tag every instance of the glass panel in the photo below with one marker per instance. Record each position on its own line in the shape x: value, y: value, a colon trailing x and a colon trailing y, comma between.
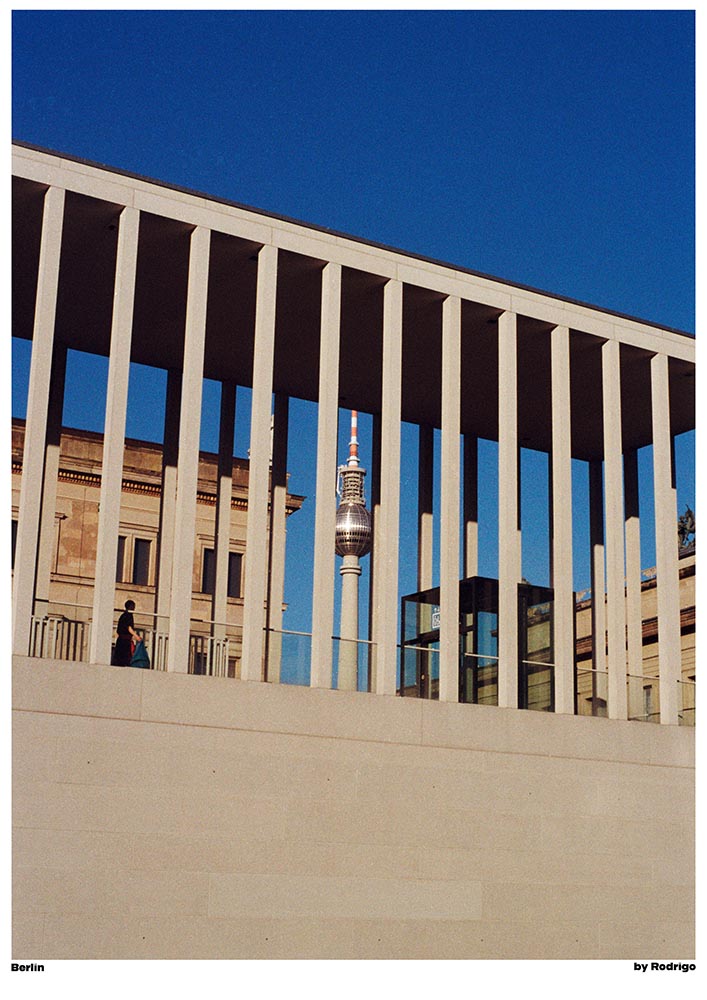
x: 538, y: 687
x: 539, y: 640
x: 419, y: 666
x: 408, y: 671
x: 480, y: 679
x: 296, y: 654
x: 592, y: 691
x: 478, y: 601
x: 487, y: 633
x: 430, y: 677
x: 420, y: 615
x: 643, y: 698
x: 353, y: 657
x: 420, y: 671
x: 536, y: 660
x: 686, y: 716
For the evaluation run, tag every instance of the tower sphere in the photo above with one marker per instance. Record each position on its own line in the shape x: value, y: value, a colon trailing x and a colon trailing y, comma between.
x: 353, y: 530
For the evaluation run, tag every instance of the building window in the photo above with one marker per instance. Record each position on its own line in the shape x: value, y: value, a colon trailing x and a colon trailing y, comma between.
x: 235, y: 562
x: 208, y: 573
x: 141, y: 562
x: 120, y: 561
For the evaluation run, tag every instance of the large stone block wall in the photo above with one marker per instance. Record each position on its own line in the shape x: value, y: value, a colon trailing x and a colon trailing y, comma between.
x: 169, y: 816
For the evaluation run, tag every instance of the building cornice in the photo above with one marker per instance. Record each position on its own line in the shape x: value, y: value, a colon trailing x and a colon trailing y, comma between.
x: 93, y: 480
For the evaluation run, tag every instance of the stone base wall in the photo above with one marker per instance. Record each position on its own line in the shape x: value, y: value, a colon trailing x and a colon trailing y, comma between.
x: 172, y: 817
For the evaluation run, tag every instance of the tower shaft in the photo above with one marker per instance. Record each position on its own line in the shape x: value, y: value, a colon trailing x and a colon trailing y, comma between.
x: 353, y: 539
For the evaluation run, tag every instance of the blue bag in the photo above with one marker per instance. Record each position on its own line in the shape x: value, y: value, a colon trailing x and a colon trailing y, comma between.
x: 140, y: 657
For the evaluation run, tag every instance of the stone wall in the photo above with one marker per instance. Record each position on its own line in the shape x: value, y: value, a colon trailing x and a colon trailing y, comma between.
x: 172, y: 816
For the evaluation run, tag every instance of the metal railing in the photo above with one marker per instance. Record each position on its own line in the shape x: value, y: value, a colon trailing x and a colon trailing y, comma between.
x: 157, y: 645
x: 56, y: 637
x: 209, y: 655
x: 288, y: 661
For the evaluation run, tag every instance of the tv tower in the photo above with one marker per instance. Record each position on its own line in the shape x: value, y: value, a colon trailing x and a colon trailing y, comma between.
x: 353, y: 540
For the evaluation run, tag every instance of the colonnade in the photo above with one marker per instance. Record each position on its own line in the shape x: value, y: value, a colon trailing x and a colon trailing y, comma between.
x: 613, y: 494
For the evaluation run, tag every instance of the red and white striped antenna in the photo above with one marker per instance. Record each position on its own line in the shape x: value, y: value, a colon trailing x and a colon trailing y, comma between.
x: 353, y: 443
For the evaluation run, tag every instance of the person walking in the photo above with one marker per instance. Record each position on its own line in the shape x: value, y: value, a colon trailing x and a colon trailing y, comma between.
x: 123, y: 652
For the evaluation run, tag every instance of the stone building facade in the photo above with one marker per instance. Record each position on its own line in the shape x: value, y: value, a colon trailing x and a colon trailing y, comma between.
x: 643, y: 689
x: 62, y: 614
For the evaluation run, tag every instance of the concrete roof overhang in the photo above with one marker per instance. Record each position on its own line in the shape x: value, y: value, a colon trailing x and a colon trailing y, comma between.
x: 84, y: 318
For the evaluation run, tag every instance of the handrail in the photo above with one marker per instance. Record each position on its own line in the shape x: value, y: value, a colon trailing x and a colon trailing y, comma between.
x: 72, y: 606
x: 338, y: 638
x: 285, y: 631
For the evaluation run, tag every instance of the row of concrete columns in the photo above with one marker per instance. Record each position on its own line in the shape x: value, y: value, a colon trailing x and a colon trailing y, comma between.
x: 614, y: 523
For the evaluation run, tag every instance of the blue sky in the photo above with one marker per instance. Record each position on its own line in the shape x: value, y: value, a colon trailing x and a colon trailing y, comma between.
x: 552, y: 148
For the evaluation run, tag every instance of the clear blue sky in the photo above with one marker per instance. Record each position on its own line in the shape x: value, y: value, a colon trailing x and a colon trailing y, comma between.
x: 554, y: 149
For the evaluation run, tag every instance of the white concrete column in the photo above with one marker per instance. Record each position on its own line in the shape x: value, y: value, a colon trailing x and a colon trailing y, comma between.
x: 614, y: 516
x: 666, y: 544
x: 388, y: 530
x: 634, y: 617
x: 598, y: 582
x: 114, y: 437
x: 256, y: 571
x: 188, y: 468
x: 449, y: 503
x: 509, y: 539
x: 325, y: 508
x: 168, y: 499
x: 47, y: 528
x: 224, y: 491
x: 425, y: 484
x: 36, y: 422
x: 561, y: 527
x: 470, y: 473
x: 278, y: 535
x: 471, y: 505
x: 373, y: 584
